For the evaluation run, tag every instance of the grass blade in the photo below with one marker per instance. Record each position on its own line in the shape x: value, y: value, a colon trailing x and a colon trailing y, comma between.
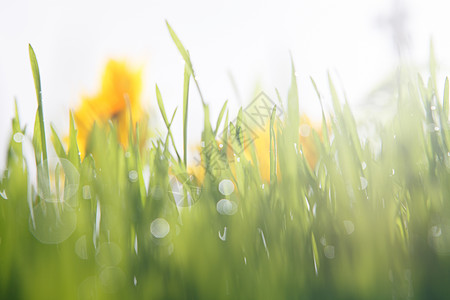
x: 219, y: 119
x: 37, y: 85
x: 187, y: 76
x: 57, y: 144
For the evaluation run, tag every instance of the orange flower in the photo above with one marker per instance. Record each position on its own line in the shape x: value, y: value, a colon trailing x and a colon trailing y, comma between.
x: 120, y: 94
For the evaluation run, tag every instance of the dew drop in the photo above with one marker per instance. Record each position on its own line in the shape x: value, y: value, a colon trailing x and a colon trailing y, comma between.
x: 226, y: 187
x: 3, y: 195
x: 363, y: 165
x: 363, y: 183
x: 133, y: 176
x: 226, y: 207
x: 159, y: 228
x: 18, y: 137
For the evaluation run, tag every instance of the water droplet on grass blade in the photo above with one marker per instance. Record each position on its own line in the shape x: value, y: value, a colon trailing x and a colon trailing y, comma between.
x: 133, y: 176
x: 363, y: 165
x: 3, y: 195
x: 364, y: 183
x: 226, y: 207
x: 159, y: 228
x: 18, y: 137
x: 226, y: 187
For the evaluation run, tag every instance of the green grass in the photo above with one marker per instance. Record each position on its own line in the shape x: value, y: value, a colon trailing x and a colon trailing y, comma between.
x: 365, y: 223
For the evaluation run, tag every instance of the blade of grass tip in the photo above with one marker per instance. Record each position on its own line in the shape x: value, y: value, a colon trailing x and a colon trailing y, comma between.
x: 324, y: 120
x: 57, y: 145
x: 273, y: 150
x: 315, y: 254
x: 334, y: 97
x: 280, y: 101
x: 219, y: 119
x: 293, y: 106
x: 161, y: 106
x: 166, y: 121
x: 187, y: 58
x: 37, y: 85
x: 187, y: 77
x: 73, y: 153
x: 180, y: 47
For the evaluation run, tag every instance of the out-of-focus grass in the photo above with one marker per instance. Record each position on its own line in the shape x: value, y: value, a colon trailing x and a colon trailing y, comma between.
x: 364, y: 223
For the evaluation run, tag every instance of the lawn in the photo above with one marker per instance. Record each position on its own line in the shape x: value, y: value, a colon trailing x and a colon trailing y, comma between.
x: 276, y: 207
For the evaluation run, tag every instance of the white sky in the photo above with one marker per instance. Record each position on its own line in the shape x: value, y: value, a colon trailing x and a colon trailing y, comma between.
x: 250, y: 39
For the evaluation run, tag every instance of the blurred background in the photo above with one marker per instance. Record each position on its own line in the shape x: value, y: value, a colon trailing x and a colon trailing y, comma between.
x: 237, y: 48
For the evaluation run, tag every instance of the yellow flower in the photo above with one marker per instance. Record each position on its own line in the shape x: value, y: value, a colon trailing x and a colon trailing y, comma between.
x: 119, y: 95
x: 306, y: 142
x: 261, y: 144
